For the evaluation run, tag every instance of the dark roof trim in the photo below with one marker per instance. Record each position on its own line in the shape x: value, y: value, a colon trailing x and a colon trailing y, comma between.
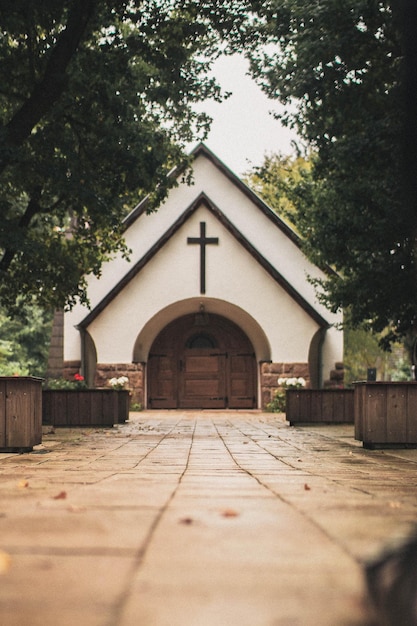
x: 203, y: 200
x: 202, y: 149
x: 140, y: 264
x: 247, y: 191
x: 293, y: 293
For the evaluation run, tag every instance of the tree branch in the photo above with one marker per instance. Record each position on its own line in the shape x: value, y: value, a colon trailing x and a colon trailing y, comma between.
x: 32, y: 208
x: 53, y: 83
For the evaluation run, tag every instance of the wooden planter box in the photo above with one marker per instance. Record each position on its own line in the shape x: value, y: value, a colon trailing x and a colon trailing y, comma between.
x: 20, y: 413
x: 84, y: 407
x: 386, y: 414
x: 315, y: 406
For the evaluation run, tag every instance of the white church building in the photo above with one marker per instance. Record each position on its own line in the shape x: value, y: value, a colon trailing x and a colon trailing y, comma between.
x: 214, y: 305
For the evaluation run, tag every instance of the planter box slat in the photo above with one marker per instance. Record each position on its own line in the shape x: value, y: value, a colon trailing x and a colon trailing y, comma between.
x: 87, y: 405
x: 84, y: 407
x: 313, y: 403
x: 386, y: 413
x: 311, y: 406
x: 330, y: 407
x: 20, y: 413
x: 396, y: 410
x: 412, y: 412
x: 109, y: 408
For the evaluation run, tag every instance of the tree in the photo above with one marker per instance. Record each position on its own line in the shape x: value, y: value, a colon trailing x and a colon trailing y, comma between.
x: 363, y: 351
x: 347, y: 65
x: 275, y: 179
x: 95, y: 108
x: 24, y: 341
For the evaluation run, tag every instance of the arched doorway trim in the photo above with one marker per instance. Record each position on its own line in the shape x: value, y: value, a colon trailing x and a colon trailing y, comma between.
x: 315, y: 359
x: 230, y: 311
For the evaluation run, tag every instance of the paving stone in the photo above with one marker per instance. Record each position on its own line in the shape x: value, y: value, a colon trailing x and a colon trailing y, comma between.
x: 188, y: 518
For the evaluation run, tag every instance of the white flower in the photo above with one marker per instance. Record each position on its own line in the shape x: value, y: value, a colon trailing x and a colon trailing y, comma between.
x: 118, y: 383
x: 292, y: 382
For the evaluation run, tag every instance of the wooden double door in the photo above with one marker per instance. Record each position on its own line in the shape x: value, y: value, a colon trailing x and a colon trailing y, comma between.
x: 202, y: 362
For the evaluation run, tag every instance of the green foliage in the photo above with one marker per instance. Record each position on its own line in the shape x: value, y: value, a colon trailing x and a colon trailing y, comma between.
x: 277, y: 404
x: 363, y: 351
x: 278, y: 181
x: 95, y: 109
x: 24, y: 340
x: 62, y: 383
x: 345, y: 66
x: 275, y: 179
x: 279, y: 400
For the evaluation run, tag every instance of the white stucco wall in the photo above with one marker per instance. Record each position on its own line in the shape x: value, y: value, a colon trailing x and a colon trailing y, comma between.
x: 232, y: 276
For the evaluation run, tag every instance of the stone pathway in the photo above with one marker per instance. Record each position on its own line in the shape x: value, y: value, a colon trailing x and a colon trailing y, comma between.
x: 197, y: 519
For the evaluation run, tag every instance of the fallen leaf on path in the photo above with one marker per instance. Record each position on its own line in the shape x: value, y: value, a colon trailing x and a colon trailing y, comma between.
x: 230, y: 513
x: 306, y: 487
x: 76, y: 509
x: 186, y: 520
x: 60, y: 496
x: 5, y: 562
x: 23, y: 484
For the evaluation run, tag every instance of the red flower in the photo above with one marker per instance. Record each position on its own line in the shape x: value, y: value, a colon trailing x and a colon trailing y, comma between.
x: 78, y: 377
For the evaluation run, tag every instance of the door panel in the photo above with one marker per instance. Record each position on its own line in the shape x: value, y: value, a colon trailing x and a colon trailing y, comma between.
x: 162, y: 382
x: 241, y: 381
x: 202, y: 381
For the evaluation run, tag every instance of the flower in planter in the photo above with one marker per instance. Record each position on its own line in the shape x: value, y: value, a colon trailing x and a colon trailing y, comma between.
x: 118, y: 383
x: 78, y: 382
x: 278, y: 404
x: 291, y: 382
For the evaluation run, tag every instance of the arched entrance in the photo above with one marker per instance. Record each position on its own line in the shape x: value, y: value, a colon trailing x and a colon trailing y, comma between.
x: 201, y: 361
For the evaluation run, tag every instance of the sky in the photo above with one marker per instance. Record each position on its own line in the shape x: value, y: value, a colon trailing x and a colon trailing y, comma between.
x: 243, y: 130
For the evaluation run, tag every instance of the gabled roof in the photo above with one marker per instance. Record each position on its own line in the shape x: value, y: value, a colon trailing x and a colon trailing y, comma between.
x: 203, y: 200
x: 202, y: 150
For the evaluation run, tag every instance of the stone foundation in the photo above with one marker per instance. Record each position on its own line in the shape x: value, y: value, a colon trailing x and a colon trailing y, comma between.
x: 69, y: 370
x: 133, y: 371
x: 270, y: 372
x: 106, y: 371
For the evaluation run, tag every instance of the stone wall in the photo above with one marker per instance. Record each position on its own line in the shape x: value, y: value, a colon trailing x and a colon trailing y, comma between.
x: 133, y: 371
x: 70, y: 368
x: 270, y: 372
x: 106, y: 371
x: 337, y: 377
x: 56, y: 347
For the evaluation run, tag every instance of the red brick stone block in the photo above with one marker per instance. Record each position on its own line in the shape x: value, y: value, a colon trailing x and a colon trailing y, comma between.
x: 270, y: 372
x: 70, y: 369
x: 133, y: 371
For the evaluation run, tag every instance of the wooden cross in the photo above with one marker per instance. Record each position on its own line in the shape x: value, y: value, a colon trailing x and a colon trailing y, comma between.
x: 203, y: 241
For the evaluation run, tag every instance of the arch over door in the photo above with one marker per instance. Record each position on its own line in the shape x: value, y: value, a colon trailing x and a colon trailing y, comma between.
x: 202, y: 361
